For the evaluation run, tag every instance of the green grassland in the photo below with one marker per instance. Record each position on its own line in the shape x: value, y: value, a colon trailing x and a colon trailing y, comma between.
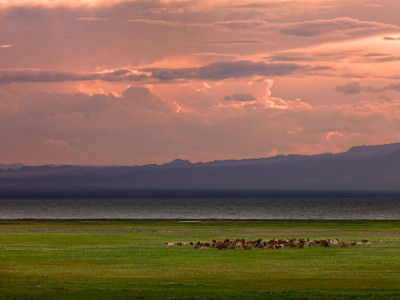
x: 127, y: 259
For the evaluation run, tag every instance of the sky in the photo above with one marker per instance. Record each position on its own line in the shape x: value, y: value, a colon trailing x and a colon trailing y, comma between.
x: 137, y: 82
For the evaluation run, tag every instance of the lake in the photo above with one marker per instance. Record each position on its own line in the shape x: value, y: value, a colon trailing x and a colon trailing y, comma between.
x: 192, y: 208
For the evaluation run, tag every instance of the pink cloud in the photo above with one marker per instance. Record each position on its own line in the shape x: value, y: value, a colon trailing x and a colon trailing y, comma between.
x: 127, y: 82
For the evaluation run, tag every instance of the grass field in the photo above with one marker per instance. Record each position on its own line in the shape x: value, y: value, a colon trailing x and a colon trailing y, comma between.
x: 128, y: 260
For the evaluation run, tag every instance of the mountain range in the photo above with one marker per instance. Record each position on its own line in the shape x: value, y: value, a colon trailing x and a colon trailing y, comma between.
x: 361, y: 168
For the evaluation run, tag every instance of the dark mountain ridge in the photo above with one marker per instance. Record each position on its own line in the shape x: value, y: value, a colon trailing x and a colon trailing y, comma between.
x: 362, y: 168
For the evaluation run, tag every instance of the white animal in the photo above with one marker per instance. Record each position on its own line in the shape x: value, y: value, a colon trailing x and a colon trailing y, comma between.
x: 369, y: 244
x: 169, y: 245
x: 358, y: 243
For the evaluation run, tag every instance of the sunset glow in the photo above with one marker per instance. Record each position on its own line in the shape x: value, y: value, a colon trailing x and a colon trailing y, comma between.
x: 133, y: 82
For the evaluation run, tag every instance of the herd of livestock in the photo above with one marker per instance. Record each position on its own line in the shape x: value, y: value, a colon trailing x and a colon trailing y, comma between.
x: 272, y: 244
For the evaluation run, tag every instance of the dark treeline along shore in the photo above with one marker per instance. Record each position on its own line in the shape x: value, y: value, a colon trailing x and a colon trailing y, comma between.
x: 370, y: 169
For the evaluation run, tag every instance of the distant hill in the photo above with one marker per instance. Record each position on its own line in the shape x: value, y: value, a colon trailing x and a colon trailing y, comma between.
x: 10, y: 166
x: 364, y: 168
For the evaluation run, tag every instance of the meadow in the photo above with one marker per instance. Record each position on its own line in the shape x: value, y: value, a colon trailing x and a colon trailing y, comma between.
x: 127, y: 259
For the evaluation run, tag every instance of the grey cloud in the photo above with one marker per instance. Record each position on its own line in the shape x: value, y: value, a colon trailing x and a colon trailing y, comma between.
x: 213, y: 71
x: 350, y: 88
x: 50, y: 104
x: 157, y: 22
x: 245, y: 25
x: 92, y: 19
x: 142, y: 97
x: 235, y: 42
x: 346, y: 26
x: 244, y: 97
x: 379, y: 57
x: 343, y: 26
x: 356, y: 87
x: 313, y: 56
x: 291, y: 56
x: 224, y: 70
x: 391, y: 38
x: 356, y: 56
x: 35, y: 75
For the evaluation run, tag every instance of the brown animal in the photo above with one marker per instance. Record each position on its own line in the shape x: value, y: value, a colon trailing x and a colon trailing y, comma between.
x: 246, y: 247
x: 219, y: 246
x: 259, y: 246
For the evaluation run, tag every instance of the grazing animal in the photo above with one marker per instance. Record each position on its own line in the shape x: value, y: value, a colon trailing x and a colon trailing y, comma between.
x: 220, y: 246
x: 273, y: 244
x: 169, y: 245
x: 381, y: 242
x: 246, y: 247
x: 259, y: 246
x: 179, y: 244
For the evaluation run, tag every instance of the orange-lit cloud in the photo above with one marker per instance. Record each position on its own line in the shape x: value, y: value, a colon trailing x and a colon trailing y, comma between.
x: 133, y: 82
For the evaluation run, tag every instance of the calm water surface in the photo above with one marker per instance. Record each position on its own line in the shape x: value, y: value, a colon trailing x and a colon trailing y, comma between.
x: 352, y: 208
